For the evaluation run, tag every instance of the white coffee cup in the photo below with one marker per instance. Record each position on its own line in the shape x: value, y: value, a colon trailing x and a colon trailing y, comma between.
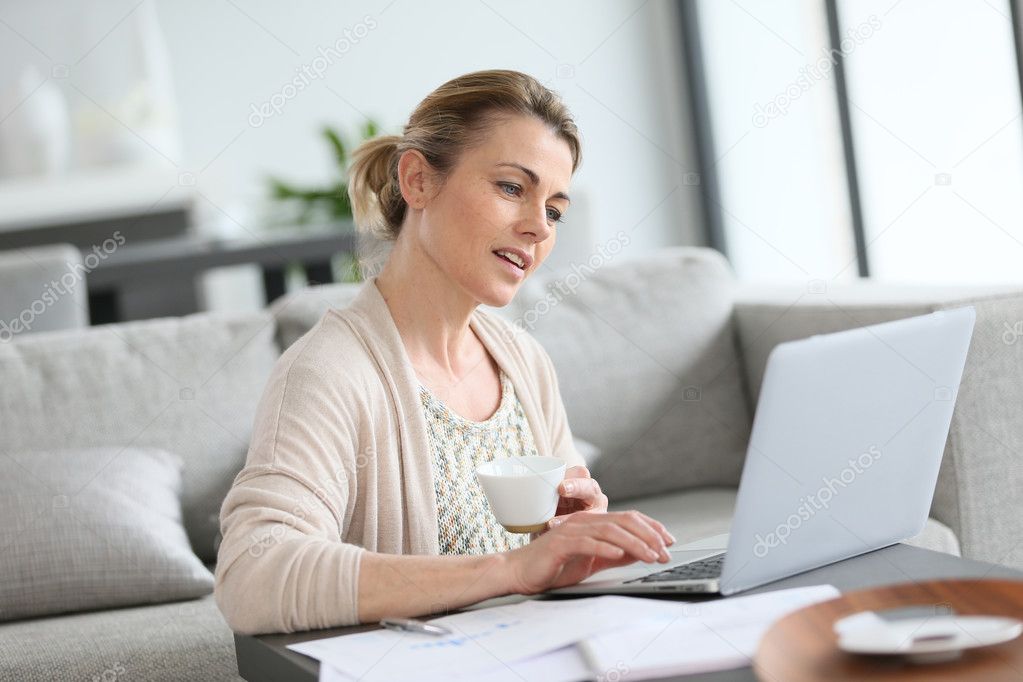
x: 522, y: 491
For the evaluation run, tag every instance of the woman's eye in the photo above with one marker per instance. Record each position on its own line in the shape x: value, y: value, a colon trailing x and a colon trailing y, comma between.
x: 553, y: 214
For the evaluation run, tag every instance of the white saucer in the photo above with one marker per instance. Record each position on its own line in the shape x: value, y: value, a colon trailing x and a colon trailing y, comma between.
x: 923, y: 640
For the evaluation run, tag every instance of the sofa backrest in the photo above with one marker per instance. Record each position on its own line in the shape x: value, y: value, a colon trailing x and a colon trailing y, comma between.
x: 188, y: 385
x: 297, y: 312
x: 646, y: 358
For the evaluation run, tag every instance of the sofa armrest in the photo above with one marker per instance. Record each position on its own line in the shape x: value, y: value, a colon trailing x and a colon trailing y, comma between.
x: 982, y: 471
x: 44, y: 289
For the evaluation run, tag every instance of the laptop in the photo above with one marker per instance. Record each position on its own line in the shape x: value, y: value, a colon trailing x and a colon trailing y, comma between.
x: 843, y: 458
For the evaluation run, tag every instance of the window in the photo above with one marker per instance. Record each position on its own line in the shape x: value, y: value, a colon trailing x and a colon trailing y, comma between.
x: 783, y: 195
x: 934, y: 138
x: 935, y: 105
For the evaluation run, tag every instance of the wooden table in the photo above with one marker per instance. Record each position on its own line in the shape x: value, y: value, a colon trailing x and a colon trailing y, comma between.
x: 266, y: 657
x: 803, y: 646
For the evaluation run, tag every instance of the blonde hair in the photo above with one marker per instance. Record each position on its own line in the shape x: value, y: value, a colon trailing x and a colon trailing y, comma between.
x: 451, y: 119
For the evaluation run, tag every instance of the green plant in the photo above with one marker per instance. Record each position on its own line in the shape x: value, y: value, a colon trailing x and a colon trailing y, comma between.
x: 328, y: 203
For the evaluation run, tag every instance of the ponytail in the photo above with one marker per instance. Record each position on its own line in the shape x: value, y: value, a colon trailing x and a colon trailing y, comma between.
x: 377, y: 204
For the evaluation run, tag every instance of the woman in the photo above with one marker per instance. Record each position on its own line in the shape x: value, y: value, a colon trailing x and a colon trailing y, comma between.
x: 358, y: 499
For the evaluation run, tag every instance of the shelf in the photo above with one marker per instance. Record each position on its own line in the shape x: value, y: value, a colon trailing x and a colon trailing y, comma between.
x: 88, y: 196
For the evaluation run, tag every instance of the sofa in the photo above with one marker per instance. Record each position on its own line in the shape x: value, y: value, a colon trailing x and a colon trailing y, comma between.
x: 659, y: 358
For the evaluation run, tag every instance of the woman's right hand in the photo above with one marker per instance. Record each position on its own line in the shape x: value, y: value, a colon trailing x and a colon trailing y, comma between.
x: 584, y: 543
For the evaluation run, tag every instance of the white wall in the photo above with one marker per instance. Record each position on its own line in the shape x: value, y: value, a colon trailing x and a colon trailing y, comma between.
x: 616, y: 64
x: 628, y: 112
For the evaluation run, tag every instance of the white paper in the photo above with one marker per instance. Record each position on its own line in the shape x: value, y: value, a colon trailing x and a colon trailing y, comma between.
x: 607, y: 637
x: 702, y: 637
x: 564, y: 665
x: 483, y: 640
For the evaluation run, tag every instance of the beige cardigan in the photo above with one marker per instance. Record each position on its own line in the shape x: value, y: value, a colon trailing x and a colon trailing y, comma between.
x: 339, y: 463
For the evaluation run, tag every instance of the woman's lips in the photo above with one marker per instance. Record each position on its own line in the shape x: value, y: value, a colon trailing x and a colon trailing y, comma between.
x: 511, y: 267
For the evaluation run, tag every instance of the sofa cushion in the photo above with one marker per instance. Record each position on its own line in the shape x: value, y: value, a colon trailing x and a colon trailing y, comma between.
x: 981, y: 472
x: 186, y: 640
x: 938, y: 537
x: 187, y: 385
x: 91, y: 529
x: 694, y: 514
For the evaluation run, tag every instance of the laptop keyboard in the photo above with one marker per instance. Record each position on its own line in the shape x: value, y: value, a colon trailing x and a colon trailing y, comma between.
x: 697, y: 570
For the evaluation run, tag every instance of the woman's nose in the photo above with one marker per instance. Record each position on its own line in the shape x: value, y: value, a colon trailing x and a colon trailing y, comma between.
x: 538, y: 225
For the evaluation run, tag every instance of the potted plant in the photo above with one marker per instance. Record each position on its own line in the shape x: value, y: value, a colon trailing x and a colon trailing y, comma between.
x: 324, y: 204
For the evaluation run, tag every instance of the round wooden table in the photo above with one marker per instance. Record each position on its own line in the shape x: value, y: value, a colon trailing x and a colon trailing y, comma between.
x: 803, y: 645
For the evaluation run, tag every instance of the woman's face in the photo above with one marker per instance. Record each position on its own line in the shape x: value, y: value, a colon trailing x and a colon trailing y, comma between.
x: 505, y: 194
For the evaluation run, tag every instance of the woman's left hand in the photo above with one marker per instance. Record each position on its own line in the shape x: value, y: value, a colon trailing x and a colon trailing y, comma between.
x: 578, y: 492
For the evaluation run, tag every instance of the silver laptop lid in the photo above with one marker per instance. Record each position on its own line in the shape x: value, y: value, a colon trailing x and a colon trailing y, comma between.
x: 846, y: 444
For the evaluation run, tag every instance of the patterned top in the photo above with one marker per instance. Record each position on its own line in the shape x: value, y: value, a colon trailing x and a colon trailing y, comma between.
x: 464, y: 521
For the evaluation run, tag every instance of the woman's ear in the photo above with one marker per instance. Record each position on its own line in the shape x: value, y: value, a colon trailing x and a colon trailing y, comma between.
x: 414, y: 178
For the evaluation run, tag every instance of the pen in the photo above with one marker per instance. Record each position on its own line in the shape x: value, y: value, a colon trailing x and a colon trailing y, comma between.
x: 412, y: 625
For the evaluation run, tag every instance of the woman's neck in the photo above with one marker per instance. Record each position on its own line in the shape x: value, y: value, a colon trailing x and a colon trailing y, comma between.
x: 430, y: 311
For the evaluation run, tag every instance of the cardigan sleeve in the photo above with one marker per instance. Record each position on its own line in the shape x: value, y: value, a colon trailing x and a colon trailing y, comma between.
x: 281, y: 565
